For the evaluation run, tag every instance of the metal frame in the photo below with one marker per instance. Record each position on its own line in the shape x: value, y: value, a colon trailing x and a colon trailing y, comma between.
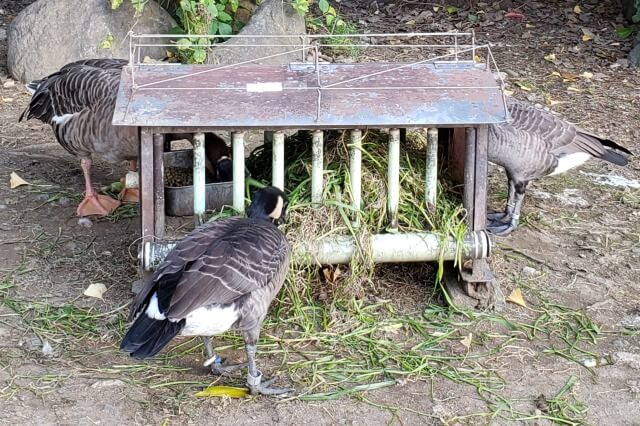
x: 468, y: 152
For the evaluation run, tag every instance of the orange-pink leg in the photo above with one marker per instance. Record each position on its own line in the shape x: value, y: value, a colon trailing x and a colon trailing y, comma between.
x: 94, y: 203
x: 130, y: 195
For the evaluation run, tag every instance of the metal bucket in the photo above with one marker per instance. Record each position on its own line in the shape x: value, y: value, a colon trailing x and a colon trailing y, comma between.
x: 179, y: 199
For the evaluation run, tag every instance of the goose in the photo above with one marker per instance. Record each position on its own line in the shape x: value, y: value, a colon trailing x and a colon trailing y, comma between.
x: 538, y: 144
x: 78, y: 102
x: 221, y: 276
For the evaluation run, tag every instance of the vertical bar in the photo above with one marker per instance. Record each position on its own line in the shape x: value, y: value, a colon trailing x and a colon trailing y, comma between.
x: 468, y: 197
x: 199, y: 181
x: 268, y: 137
x: 480, y: 212
x: 145, y: 166
x: 431, y: 175
x: 393, y: 178
x: 158, y: 183
x: 277, y: 160
x: 237, y: 142
x: 355, y: 170
x: 455, y: 155
x: 317, y: 167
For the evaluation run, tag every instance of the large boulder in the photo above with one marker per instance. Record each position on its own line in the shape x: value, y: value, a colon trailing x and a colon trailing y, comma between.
x: 272, y: 17
x: 51, y: 33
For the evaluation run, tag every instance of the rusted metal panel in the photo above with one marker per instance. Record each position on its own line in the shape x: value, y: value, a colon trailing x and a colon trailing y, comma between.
x: 299, y: 96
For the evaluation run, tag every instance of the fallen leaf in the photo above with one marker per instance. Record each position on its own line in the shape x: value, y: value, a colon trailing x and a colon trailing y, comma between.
x: 514, y: 15
x: 587, y: 34
x: 551, y: 102
x: 451, y: 10
x: 529, y: 26
x: 550, y: 57
x: 95, y: 290
x: 573, y: 89
x: 436, y: 8
x: 466, y: 342
x: 587, y: 37
x: 523, y: 86
x: 588, y: 75
x: 477, y: 59
x: 16, y: 181
x: 229, y: 391
x: 508, y: 92
x: 516, y: 297
x: 567, y: 76
x: 577, y: 10
x: 331, y: 274
x: 555, y: 74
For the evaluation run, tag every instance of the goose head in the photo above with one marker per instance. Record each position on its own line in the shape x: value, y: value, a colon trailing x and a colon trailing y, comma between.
x: 269, y: 204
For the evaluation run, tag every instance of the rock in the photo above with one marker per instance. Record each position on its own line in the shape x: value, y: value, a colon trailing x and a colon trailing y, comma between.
x: 86, y: 222
x: 529, y: 271
x: 631, y: 320
x: 107, y: 383
x: 51, y: 33
x: 271, y: 17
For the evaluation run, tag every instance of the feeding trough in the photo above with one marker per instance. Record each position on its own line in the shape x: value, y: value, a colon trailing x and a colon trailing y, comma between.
x: 447, y: 89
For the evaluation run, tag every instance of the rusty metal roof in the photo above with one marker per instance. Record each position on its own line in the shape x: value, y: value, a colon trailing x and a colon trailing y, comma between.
x: 302, y: 96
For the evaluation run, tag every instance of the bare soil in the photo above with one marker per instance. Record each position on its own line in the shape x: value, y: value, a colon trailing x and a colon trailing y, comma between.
x: 578, y: 247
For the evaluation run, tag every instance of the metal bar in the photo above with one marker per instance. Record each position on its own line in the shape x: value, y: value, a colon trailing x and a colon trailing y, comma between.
x: 480, y: 204
x: 145, y: 166
x: 384, y: 248
x: 431, y: 174
x: 158, y: 184
x: 393, y: 178
x: 317, y: 167
x: 468, y: 198
x: 277, y: 162
x: 355, y: 172
x: 237, y: 141
x: 199, y: 181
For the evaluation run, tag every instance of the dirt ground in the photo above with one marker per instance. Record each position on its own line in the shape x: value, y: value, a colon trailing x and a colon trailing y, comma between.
x: 576, y: 259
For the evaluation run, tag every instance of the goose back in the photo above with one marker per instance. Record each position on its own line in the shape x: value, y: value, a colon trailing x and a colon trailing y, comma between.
x: 78, y: 102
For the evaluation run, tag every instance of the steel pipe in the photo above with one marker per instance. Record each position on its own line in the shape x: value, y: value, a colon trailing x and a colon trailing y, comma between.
x: 317, y: 167
x: 199, y: 181
x: 393, y: 178
x: 431, y: 174
x: 277, y: 160
x: 355, y: 171
x: 237, y: 141
x: 383, y: 248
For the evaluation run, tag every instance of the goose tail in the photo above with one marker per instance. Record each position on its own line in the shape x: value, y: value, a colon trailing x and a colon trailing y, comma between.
x: 615, y: 153
x: 150, y: 332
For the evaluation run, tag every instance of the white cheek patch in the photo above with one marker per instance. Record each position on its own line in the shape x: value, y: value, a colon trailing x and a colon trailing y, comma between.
x: 277, y: 211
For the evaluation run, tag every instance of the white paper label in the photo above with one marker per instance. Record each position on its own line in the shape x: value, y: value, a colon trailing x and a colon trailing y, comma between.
x: 264, y: 87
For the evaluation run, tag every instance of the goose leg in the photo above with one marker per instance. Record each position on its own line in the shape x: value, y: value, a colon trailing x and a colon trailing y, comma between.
x: 94, y: 203
x: 496, y: 217
x: 215, y: 361
x: 130, y: 195
x: 254, y: 376
x: 506, y: 228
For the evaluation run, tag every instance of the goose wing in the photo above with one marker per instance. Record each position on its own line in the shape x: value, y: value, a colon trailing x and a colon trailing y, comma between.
x: 219, y: 263
x: 559, y: 137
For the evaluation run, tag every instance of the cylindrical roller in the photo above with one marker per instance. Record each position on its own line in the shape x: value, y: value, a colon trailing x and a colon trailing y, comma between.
x: 317, y: 167
x: 393, y: 178
x: 384, y: 248
x: 355, y: 170
x: 431, y: 175
x: 277, y: 169
x: 237, y: 141
x: 199, y: 181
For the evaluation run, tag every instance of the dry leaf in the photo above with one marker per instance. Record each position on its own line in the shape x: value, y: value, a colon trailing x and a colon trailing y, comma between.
x: 550, y: 57
x: 523, y: 86
x: 551, y: 102
x: 587, y: 75
x: 95, y: 290
x: 508, y: 92
x: 529, y: 26
x: 516, y: 297
x: 466, y: 342
x: 567, y: 76
x: 577, y: 10
x: 228, y: 391
x: 16, y: 181
x: 573, y: 89
x: 555, y: 74
x: 587, y: 34
x: 477, y: 59
x: 331, y: 274
x: 586, y: 37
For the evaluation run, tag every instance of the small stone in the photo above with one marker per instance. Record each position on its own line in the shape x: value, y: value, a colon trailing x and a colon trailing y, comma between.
x: 529, y: 271
x: 512, y: 73
x: 136, y: 286
x: 631, y: 321
x: 9, y: 84
x: 86, y: 222
x: 107, y: 383
x: 64, y: 202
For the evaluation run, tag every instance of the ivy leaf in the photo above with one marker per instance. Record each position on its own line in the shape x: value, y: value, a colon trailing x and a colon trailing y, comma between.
x: 213, y: 27
x: 624, y: 32
x: 106, y: 42
x: 224, y: 16
x: 183, y: 44
x: 451, y: 10
x: 115, y: 4
x: 224, y: 29
x: 199, y: 56
x: 323, y: 5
